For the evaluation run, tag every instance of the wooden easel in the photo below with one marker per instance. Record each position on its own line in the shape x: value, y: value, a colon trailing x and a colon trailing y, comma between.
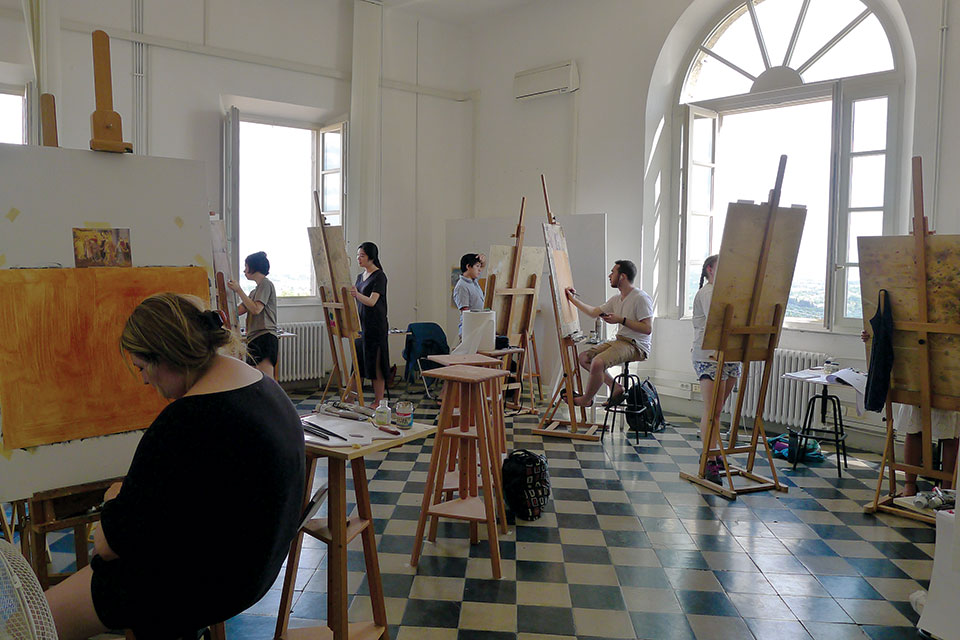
x: 340, y: 315
x: 575, y: 428
x: 520, y: 301
x: 925, y: 325
x: 106, y: 129
x: 48, y: 120
x: 755, y: 340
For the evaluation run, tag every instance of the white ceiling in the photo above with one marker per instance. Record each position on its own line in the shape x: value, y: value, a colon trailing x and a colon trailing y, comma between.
x: 462, y: 12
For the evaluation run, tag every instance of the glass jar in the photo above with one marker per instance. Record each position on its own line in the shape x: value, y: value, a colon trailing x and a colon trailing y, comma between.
x: 382, y: 414
x: 404, y: 414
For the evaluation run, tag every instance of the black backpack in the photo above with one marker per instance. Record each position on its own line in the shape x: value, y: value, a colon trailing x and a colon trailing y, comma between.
x: 643, y: 404
x: 526, y: 484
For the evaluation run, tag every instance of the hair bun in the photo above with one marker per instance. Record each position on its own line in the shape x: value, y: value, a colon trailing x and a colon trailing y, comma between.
x: 213, y: 320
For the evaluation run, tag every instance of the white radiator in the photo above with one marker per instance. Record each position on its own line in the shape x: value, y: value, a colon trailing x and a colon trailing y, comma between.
x: 786, y: 400
x: 301, y: 355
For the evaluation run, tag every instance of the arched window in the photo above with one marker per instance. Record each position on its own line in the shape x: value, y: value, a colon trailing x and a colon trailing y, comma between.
x: 817, y: 80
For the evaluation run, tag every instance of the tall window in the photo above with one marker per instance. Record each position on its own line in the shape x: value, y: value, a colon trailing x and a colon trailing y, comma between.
x: 280, y: 167
x: 11, y: 116
x: 812, y: 79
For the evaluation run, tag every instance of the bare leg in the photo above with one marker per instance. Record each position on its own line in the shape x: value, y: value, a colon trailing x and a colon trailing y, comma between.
x: 71, y: 603
x: 594, y: 380
x: 706, y: 391
x: 949, y: 458
x: 379, y: 384
x: 911, y: 455
x: 266, y: 367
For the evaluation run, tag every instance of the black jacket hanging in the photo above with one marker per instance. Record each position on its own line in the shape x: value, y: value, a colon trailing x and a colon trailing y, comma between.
x: 881, y: 354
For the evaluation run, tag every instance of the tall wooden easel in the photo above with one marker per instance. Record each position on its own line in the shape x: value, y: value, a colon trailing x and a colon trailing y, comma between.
x: 339, y: 307
x: 106, y: 129
x: 516, y: 312
x: 752, y: 337
x: 572, y: 384
x: 926, y: 328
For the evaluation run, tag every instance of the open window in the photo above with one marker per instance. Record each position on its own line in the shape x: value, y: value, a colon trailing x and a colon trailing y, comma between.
x: 13, y: 112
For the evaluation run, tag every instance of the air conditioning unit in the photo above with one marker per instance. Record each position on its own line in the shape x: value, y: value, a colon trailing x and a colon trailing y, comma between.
x: 552, y: 79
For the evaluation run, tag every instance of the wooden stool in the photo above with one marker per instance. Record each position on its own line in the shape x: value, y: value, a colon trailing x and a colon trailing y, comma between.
x: 507, y: 356
x: 467, y: 383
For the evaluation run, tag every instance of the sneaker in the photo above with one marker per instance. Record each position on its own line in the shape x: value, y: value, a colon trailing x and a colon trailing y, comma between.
x: 713, y: 472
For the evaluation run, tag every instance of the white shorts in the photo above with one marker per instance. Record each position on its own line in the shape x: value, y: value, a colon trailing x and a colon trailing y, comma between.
x: 944, y: 424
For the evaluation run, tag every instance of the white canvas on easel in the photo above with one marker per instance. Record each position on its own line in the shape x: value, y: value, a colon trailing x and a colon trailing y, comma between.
x: 44, y: 193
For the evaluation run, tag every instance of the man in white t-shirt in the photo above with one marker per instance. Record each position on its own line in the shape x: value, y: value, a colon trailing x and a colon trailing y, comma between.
x: 631, y: 309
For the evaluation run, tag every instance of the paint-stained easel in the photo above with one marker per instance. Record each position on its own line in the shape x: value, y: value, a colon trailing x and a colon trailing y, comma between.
x: 576, y: 428
x: 751, y: 337
x: 106, y: 129
x: 926, y: 335
x: 339, y: 307
x: 516, y: 307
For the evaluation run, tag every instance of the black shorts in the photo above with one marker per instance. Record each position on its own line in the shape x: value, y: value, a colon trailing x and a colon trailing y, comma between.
x: 264, y: 347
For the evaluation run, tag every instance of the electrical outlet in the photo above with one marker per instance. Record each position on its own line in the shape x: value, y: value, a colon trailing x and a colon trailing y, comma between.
x: 685, y: 386
x: 695, y: 387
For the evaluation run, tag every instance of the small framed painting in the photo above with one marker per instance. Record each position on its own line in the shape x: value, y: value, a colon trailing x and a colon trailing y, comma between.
x: 102, y: 248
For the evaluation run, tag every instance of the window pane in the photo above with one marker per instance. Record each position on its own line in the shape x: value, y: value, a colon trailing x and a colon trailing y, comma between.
x: 852, y: 307
x: 737, y: 42
x: 276, y: 182
x: 848, y: 58
x: 701, y: 179
x: 702, y: 139
x: 693, y: 279
x: 710, y: 78
x: 825, y: 19
x: 869, y: 125
x: 862, y: 223
x: 331, y: 191
x: 777, y: 20
x: 11, y: 118
x: 699, y: 246
x: 866, y: 181
x: 748, y: 150
x: 331, y: 151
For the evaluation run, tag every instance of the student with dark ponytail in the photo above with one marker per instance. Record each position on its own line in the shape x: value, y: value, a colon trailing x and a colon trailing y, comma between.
x: 705, y: 361
x: 263, y: 344
x: 371, y: 291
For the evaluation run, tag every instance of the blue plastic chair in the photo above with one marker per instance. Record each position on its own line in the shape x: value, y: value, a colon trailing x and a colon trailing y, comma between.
x: 425, y: 339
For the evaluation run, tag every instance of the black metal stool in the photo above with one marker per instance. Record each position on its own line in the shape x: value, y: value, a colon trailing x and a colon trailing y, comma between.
x: 836, y: 433
x: 627, y: 381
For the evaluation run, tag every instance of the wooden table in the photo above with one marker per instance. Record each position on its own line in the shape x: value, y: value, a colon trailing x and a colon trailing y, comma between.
x: 337, y: 531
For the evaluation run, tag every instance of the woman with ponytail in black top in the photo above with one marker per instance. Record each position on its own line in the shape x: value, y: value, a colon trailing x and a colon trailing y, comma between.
x: 371, y: 291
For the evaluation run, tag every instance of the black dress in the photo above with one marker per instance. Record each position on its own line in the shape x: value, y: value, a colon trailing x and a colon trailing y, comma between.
x: 207, y: 463
x: 373, y: 347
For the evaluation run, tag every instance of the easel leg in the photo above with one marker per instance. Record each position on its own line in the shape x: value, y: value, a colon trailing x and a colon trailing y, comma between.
x: 337, y: 550
x: 369, y: 539
x: 293, y: 560
x: 7, y: 533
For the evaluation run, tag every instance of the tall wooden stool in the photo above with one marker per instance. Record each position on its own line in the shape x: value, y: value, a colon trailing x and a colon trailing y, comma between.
x: 466, y: 383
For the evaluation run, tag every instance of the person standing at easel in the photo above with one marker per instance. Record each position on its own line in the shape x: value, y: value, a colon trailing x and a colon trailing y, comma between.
x: 371, y: 291
x: 263, y: 345
x: 467, y: 293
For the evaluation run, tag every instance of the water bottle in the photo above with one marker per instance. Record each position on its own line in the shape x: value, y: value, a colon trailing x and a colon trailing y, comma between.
x: 382, y: 415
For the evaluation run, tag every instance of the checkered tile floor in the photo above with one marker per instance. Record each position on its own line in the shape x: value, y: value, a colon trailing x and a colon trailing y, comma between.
x: 628, y: 550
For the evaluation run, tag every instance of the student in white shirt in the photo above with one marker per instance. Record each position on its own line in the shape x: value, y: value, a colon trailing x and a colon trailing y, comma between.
x: 632, y: 309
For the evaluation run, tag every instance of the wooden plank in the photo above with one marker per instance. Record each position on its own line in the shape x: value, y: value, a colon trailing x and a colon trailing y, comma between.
x: 558, y: 261
x: 498, y: 264
x: 740, y: 256
x: 61, y: 376
x: 332, y: 267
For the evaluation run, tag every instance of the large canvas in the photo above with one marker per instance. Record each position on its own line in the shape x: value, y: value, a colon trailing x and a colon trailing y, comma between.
x: 740, y: 251
x: 62, y: 376
x: 498, y: 264
x: 332, y: 266
x: 888, y: 263
x: 559, y: 262
x: 223, y: 271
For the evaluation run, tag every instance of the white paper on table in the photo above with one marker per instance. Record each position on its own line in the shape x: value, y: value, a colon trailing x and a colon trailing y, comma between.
x: 854, y: 378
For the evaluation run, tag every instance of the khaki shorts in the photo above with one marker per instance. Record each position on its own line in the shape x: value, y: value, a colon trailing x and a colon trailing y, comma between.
x: 616, y: 351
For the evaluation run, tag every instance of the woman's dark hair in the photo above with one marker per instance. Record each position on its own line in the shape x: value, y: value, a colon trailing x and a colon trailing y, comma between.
x: 468, y: 260
x: 176, y: 329
x: 373, y: 254
x: 258, y: 263
x: 709, y: 262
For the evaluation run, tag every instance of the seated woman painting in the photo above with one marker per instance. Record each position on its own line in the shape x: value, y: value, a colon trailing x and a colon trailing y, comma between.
x: 200, y: 526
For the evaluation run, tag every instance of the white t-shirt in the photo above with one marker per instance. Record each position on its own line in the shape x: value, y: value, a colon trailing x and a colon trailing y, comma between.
x: 701, y: 306
x: 636, y: 306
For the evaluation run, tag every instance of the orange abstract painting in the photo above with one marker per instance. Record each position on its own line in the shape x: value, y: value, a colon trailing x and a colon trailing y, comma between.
x: 62, y: 376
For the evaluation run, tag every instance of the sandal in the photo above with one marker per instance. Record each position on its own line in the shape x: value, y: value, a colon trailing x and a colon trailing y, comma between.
x: 615, y: 399
x: 563, y: 394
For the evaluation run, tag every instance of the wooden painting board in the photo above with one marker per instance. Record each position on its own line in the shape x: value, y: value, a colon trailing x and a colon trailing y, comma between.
x: 498, y: 263
x: 558, y: 261
x: 223, y: 271
x: 332, y: 266
x: 61, y: 374
x: 740, y: 250
x: 887, y: 263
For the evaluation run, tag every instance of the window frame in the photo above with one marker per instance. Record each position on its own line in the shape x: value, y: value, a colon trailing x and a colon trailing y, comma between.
x: 317, y: 130
x: 844, y: 92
